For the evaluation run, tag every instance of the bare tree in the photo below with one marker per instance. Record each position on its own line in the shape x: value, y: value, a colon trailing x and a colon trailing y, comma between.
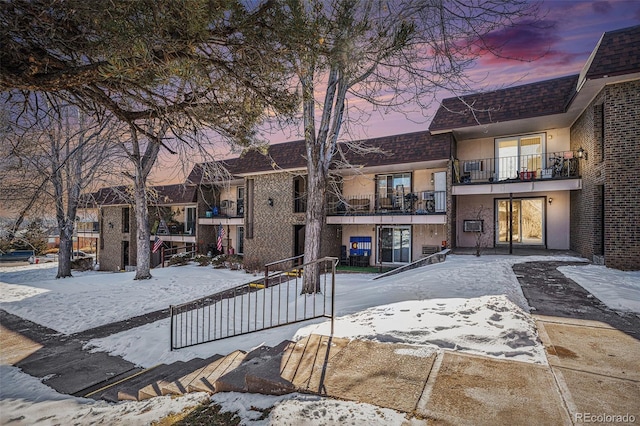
x: 482, y: 238
x: 383, y: 55
x: 54, y: 152
x: 166, y: 68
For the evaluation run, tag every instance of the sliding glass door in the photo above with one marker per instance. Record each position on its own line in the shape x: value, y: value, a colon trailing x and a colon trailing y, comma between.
x: 519, y: 154
x: 395, y: 244
x: 527, y: 221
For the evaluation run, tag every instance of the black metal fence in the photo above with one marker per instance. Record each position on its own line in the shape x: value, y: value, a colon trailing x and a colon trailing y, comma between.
x: 269, y: 302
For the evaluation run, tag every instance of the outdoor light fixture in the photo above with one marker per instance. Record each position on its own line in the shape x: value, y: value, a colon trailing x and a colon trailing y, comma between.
x: 270, y: 202
x: 550, y: 200
x: 581, y: 153
x: 110, y: 225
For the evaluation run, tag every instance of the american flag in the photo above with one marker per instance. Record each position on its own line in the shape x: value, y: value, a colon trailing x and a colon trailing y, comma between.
x: 220, y: 235
x: 157, y: 243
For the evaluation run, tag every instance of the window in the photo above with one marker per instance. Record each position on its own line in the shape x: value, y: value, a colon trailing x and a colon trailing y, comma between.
x: 125, y: 220
x: 299, y: 194
x: 240, y: 202
x: 392, y: 189
x: 240, y: 242
x: 249, y: 209
x: 519, y: 154
x: 190, y: 220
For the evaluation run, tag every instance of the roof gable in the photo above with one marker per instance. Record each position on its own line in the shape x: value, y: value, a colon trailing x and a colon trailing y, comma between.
x: 617, y: 53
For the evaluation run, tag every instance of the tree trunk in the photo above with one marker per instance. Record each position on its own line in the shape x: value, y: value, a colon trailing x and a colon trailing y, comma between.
x: 64, y: 253
x: 315, y: 217
x: 143, y: 246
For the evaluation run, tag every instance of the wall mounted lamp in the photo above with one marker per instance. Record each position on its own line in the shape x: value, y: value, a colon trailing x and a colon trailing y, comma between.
x: 582, y: 153
x: 550, y: 200
x: 110, y: 225
x: 270, y: 202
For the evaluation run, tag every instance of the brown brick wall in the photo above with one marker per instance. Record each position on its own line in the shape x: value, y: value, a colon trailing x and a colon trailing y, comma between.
x: 611, y: 169
x: 273, y: 229
x: 110, y: 256
x: 273, y: 235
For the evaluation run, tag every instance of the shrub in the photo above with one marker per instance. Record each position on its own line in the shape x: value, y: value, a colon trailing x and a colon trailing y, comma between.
x: 202, y: 260
x: 180, y: 259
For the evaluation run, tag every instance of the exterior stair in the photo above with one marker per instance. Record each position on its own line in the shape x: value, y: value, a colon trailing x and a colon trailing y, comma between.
x: 324, y: 365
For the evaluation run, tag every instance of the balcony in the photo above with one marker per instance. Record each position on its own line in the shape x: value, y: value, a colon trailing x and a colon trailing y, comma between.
x: 412, y: 207
x: 523, y: 173
x: 225, y: 209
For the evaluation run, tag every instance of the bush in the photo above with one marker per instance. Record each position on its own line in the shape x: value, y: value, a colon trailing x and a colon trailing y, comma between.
x: 202, y: 260
x: 230, y: 261
x: 180, y: 259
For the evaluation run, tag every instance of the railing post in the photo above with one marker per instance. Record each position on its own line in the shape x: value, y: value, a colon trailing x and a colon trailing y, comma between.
x: 171, y: 327
x: 333, y: 294
x: 266, y: 276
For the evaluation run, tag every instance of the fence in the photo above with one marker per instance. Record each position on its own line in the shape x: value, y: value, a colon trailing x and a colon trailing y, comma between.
x: 270, y: 302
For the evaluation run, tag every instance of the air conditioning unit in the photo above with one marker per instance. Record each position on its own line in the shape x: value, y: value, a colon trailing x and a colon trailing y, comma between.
x: 472, y: 166
x: 473, y: 225
x: 225, y: 204
x: 427, y: 195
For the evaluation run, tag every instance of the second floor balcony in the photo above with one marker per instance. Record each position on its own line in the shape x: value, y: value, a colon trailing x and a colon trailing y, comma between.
x: 411, y: 203
x: 539, y: 166
x: 518, y: 173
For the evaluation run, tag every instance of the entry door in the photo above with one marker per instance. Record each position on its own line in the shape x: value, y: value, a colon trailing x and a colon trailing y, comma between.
x: 298, y: 237
x: 395, y: 244
x: 527, y: 222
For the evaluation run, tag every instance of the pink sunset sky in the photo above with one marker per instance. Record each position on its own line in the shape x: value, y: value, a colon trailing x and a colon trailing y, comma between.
x: 571, y: 31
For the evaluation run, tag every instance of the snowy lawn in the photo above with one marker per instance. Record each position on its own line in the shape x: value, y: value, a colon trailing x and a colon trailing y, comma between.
x: 466, y: 303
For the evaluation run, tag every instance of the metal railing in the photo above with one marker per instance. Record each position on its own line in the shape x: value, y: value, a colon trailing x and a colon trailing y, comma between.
x: 167, y: 253
x: 254, y: 306
x: 549, y: 165
x: 412, y: 203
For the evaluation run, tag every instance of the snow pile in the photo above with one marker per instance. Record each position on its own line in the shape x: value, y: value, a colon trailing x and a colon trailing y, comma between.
x: 617, y: 289
x: 489, y: 325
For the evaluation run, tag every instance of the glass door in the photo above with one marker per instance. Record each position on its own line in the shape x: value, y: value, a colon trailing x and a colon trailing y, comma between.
x: 395, y: 244
x: 516, y: 155
x: 527, y: 221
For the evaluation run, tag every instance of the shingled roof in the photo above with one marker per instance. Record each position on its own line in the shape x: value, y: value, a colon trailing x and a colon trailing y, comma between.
x: 163, y: 194
x: 515, y: 103
x: 396, y: 149
x: 618, y: 53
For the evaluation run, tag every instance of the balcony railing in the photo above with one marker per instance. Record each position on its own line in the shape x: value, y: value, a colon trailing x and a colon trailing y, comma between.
x: 550, y: 165
x: 226, y: 209
x: 412, y: 203
x: 178, y: 228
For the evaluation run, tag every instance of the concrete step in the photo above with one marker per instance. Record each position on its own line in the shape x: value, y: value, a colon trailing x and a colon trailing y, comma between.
x: 160, y: 387
x: 205, y: 382
x: 127, y: 389
x: 305, y: 361
x: 259, y: 372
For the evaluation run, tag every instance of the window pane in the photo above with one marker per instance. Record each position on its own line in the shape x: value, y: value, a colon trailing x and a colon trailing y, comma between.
x: 507, y: 159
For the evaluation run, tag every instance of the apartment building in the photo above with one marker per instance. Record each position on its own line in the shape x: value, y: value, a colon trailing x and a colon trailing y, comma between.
x: 550, y: 164
x: 388, y: 207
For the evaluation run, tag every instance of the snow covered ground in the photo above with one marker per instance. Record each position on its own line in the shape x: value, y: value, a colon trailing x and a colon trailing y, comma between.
x: 466, y: 303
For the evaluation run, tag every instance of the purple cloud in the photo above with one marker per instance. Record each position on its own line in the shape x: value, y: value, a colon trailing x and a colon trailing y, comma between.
x: 602, y: 7
x: 527, y: 41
